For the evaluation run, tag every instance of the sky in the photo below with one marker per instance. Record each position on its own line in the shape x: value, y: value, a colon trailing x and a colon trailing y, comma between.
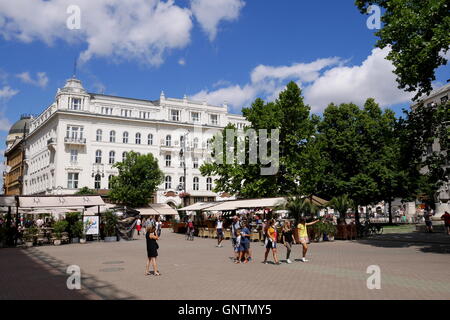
x: 213, y: 50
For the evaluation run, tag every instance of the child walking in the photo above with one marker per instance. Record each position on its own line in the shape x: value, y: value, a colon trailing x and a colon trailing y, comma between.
x: 237, y: 246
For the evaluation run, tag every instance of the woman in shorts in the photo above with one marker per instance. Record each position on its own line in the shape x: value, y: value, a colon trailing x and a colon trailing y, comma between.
x: 271, y: 242
x: 303, y: 235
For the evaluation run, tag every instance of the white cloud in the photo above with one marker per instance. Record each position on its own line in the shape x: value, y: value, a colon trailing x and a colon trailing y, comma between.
x: 323, y: 81
x: 5, y: 125
x: 209, y: 13
x: 7, y: 93
x: 143, y: 30
x: 374, y: 78
x: 40, y: 81
x: 182, y: 62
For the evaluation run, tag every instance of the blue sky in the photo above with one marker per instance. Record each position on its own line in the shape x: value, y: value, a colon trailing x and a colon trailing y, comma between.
x: 231, y: 50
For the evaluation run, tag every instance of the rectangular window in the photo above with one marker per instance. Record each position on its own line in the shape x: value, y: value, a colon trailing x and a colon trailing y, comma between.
x: 74, y: 132
x: 73, y: 156
x: 72, y: 180
x: 195, y: 116
x: 106, y: 110
x: 126, y: 113
x: 76, y: 104
x: 175, y: 115
x: 214, y: 119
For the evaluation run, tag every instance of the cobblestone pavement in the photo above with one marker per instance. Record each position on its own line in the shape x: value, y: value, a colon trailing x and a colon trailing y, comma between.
x: 198, y: 270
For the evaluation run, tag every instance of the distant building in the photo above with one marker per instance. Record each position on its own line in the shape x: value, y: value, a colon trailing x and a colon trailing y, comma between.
x: 75, y: 142
x: 438, y: 96
x: 14, y: 157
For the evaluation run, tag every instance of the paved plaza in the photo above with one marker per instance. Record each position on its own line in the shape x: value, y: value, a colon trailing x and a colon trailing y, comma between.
x: 410, y: 269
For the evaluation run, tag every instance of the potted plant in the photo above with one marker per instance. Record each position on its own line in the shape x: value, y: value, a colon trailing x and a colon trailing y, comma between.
x: 76, y: 229
x: 110, y: 225
x: 331, y: 230
x: 318, y: 230
x: 58, y: 228
x: 30, y: 235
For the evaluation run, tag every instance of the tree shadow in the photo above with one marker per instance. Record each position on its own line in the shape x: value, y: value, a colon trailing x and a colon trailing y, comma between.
x: 405, y: 240
x: 34, y: 275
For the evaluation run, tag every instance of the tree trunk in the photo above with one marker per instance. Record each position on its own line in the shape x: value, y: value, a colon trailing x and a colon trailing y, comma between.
x: 357, y: 216
x: 390, y: 211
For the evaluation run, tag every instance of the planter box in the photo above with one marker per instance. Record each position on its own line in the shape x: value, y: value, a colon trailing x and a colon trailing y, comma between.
x: 75, y: 240
x: 28, y: 244
x: 111, y: 239
x: 57, y: 242
x: 82, y: 241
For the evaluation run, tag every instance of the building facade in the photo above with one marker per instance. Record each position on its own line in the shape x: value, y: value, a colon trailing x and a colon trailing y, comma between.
x: 15, y: 156
x: 75, y: 142
x: 439, y: 96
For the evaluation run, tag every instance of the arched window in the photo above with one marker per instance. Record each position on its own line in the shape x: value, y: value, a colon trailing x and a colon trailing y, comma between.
x: 196, y: 184
x: 98, y: 181
x: 209, y: 184
x: 125, y: 137
x: 98, y: 136
x: 112, y: 157
x: 150, y: 139
x: 124, y: 156
x: 168, y: 140
x: 110, y: 181
x: 98, y: 156
x: 138, y: 138
x: 195, y: 143
x: 112, y: 136
x: 168, y: 182
x: 168, y: 160
x: 195, y: 163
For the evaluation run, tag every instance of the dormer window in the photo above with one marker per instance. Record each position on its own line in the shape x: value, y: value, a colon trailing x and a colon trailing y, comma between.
x: 214, y: 119
x: 75, y: 104
x: 175, y: 115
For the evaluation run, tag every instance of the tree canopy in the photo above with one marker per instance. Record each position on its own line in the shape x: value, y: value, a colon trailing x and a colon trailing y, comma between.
x: 139, y: 177
x: 417, y: 32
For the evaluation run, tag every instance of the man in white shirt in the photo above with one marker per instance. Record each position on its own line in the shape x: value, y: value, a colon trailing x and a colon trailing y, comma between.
x: 219, y: 230
x: 138, y: 226
x: 39, y: 222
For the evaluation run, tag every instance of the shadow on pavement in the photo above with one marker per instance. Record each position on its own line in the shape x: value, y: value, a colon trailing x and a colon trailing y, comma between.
x: 430, y: 243
x: 32, y: 274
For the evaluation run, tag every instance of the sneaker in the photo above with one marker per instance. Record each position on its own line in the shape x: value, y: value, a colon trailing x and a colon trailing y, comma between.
x: 265, y: 262
x: 288, y: 261
x: 304, y: 260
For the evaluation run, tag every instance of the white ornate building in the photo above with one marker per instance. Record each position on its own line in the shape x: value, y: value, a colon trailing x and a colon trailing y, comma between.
x: 76, y: 140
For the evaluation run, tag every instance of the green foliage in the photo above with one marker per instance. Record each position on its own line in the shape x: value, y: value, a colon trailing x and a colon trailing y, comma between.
x: 139, y: 177
x: 318, y: 229
x: 341, y: 204
x: 110, y: 223
x: 418, y: 33
x: 85, y: 191
x: 301, y: 207
x: 330, y: 229
x: 59, y: 227
x: 77, y: 229
x: 72, y: 219
x: 291, y: 116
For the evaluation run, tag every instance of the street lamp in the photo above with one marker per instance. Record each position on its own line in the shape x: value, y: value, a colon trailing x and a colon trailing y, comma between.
x: 182, y: 186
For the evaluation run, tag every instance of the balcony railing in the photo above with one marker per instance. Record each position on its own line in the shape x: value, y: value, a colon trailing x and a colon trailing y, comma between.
x: 79, y: 141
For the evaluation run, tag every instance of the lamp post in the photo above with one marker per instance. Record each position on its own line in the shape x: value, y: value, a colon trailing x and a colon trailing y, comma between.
x: 183, y: 157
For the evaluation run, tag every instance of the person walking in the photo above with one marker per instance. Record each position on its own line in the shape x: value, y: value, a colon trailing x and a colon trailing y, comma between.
x: 288, y: 239
x: 237, y: 246
x: 427, y: 216
x: 235, y: 226
x: 245, y: 243
x: 219, y: 230
x: 152, y: 250
x: 190, y: 230
x: 139, y: 226
x: 158, y: 226
x: 303, y: 235
x: 271, y: 242
x: 446, y: 218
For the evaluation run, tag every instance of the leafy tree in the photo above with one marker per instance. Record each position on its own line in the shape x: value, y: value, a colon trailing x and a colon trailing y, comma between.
x: 139, y: 177
x: 291, y: 117
x: 425, y: 141
x: 300, y: 207
x: 85, y: 191
x: 418, y: 33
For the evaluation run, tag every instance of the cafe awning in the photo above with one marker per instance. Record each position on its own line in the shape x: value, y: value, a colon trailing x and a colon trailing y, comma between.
x: 248, y: 204
x: 7, y: 201
x: 60, y: 201
x: 160, y: 209
x: 199, y: 206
